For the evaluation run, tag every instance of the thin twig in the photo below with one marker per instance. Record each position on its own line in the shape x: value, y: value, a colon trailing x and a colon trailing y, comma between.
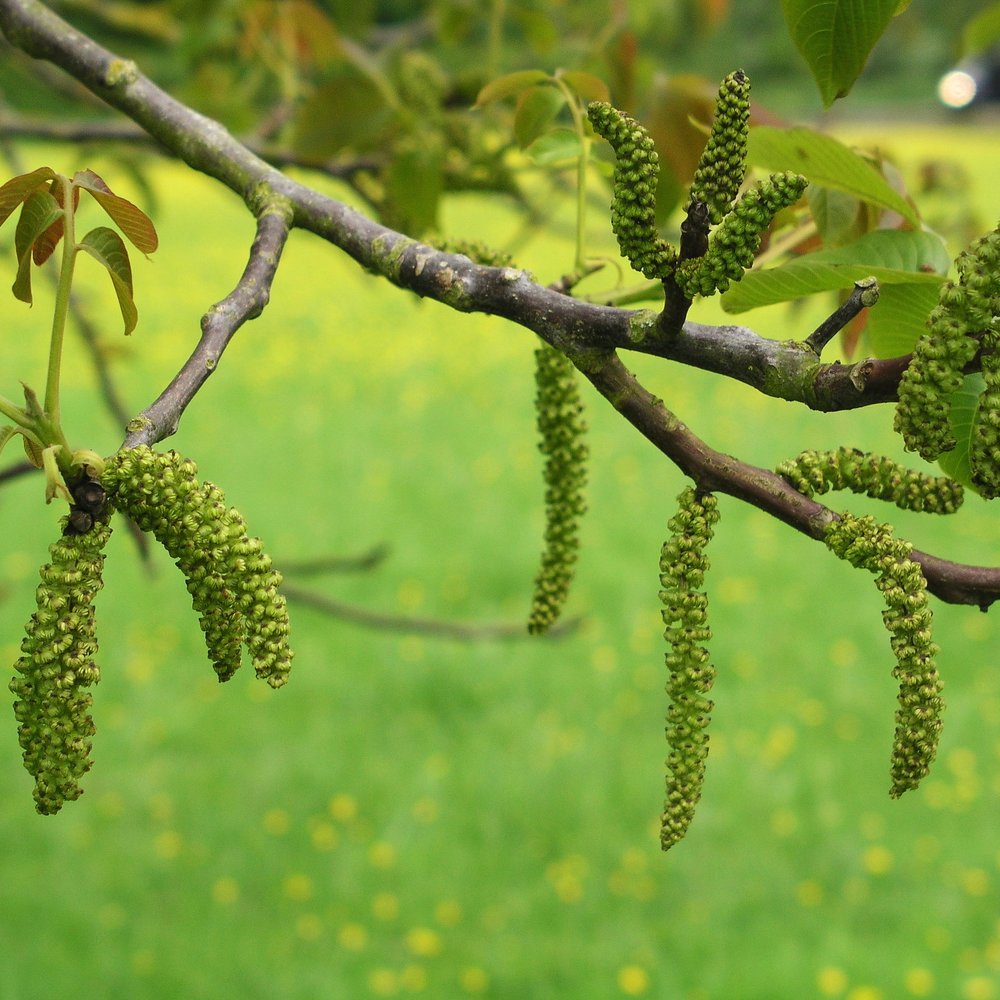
x: 438, y: 628
x: 864, y: 296
x: 361, y: 563
x: 246, y: 301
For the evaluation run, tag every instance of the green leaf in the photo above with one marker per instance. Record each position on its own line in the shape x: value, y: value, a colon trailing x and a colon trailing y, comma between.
x: 835, y: 38
x: 6, y: 433
x: 109, y: 250
x: 890, y: 255
x: 132, y: 220
x: 39, y: 211
x: 536, y: 108
x: 557, y: 146
x: 414, y: 185
x: 509, y: 85
x: 823, y: 160
x: 18, y: 188
x: 900, y: 318
x: 964, y: 410
x: 586, y: 86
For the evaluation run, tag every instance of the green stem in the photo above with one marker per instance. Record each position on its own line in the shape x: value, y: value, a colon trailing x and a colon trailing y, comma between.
x: 61, y: 308
x: 16, y: 413
x: 582, y: 163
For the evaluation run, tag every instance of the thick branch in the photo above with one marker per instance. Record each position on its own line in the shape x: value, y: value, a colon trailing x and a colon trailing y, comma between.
x: 786, y: 370
x: 712, y: 470
x: 588, y: 333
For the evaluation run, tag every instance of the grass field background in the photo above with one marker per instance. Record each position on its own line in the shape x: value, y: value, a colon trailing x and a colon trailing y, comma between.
x: 414, y: 816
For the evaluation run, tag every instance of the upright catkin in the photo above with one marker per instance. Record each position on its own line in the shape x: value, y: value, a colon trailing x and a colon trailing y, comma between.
x: 633, y: 193
x: 683, y: 565
x: 561, y: 430
x: 866, y: 544
x: 735, y: 243
x: 57, y: 666
x: 723, y: 162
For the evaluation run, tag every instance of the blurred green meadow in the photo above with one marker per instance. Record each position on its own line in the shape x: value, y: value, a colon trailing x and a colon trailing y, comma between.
x: 417, y: 816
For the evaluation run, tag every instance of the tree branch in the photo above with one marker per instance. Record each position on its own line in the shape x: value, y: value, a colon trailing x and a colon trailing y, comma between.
x: 246, y: 301
x: 588, y: 333
x: 785, y: 370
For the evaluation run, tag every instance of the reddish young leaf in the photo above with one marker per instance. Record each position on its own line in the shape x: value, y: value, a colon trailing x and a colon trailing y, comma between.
x: 133, y: 221
x: 46, y: 244
x: 109, y: 250
x: 18, y: 188
x: 39, y: 211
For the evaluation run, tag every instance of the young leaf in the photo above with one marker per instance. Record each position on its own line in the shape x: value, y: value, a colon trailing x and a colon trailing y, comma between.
x: 892, y: 256
x: 109, y: 250
x: 823, y: 160
x: 557, y: 146
x: 39, y: 211
x: 964, y: 408
x: 536, y: 107
x: 133, y: 221
x: 6, y: 433
x: 46, y: 244
x: 586, y: 86
x: 900, y: 319
x: 18, y: 188
x: 835, y: 38
x: 509, y: 85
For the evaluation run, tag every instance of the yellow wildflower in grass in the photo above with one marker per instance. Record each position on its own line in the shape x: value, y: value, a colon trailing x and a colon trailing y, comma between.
x: 413, y: 978
x: 168, y: 844
x: 423, y: 942
x: 831, y: 981
x: 979, y: 988
x: 323, y: 835
x: 225, y: 891
x: 382, y: 854
x: 297, y: 887
x: 877, y: 859
x: 974, y: 882
x: 353, y: 937
x: 448, y: 913
x: 276, y: 822
x: 383, y: 982
x: 385, y: 906
x: 343, y: 807
x: 633, y: 980
x: 473, y: 979
x: 809, y: 892
x: 918, y: 982
x: 866, y: 993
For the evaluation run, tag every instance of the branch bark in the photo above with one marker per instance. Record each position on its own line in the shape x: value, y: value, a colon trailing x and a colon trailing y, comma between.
x: 590, y: 334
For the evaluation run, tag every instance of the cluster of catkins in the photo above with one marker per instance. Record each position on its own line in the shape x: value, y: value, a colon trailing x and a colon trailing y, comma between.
x: 561, y: 430
x: 232, y: 583
x: 871, y: 546
x: 739, y: 227
x: 961, y: 325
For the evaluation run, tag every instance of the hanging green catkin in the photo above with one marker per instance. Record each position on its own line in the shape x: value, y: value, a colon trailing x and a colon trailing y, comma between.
x: 57, y: 666
x: 683, y: 565
x: 876, y: 476
x: 735, y: 243
x: 232, y: 584
x: 984, y: 449
x: 633, y: 198
x: 965, y: 308
x: 723, y: 163
x: 561, y: 430
x: 866, y: 544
